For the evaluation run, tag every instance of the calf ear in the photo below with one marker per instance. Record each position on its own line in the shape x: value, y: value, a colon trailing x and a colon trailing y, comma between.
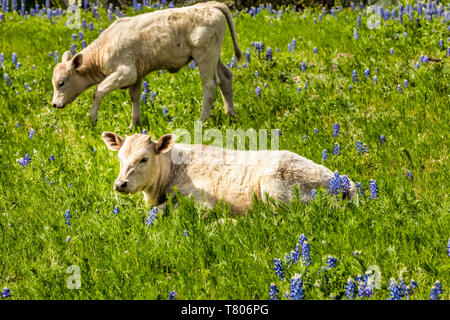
x: 165, y: 143
x: 66, y: 56
x: 77, y: 61
x: 113, y: 141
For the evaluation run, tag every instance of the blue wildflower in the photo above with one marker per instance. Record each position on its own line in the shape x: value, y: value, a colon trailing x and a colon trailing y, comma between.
x: 315, y: 50
x: 116, y: 210
x: 7, y: 80
x: 273, y: 292
x: 436, y: 291
x: 185, y: 233
x: 336, y: 129
x: 356, y: 35
x: 316, y: 130
x: 68, y: 239
x: 382, y: 139
x: 6, y: 293
x: 31, y: 133
x: 324, y: 155
x: 56, y: 56
x: 296, y: 286
x: 52, y: 157
x: 256, y: 73
x: 359, y: 187
x: 301, y: 239
x: 152, y: 216
x: 278, y: 266
x: 365, y: 289
x: 165, y: 111
x: 247, y: 55
x: 299, y: 89
x: 448, y: 247
x: 14, y: 58
x: 173, y: 295
x: 258, y: 91
x: 399, y: 88
x: 426, y: 59
x: 367, y: 72
x: 331, y: 262
x: 397, y: 289
x: 337, y: 150
x: 295, y: 254
x: 373, y: 189
x: 67, y: 217
x: 306, y: 253
x: 74, y: 37
x: 25, y: 160
x: 409, y: 175
x: 303, y: 66
x: 350, y: 289
x: 354, y: 76
x: 269, y: 54
x: 313, y: 193
x: 392, y: 51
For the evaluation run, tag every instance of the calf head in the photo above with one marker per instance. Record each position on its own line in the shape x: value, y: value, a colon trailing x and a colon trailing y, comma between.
x: 67, y: 81
x: 141, y: 160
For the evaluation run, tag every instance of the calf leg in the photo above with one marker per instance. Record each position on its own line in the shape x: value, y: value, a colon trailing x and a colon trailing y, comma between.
x: 135, y: 95
x: 123, y: 77
x: 226, y: 87
x: 208, y: 74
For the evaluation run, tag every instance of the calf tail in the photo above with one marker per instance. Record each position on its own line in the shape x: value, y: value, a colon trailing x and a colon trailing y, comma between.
x: 222, y: 7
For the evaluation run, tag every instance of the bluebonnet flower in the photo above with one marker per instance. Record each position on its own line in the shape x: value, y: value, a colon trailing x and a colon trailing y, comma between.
x: 392, y: 51
x: 409, y: 290
x: 258, y: 91
x: 313, y: 193
x: 350, y: 88
x: 426, y: 59
x: 56, y: 56
x: 316, y: 130
x: 367, y: 72
x: 19, y: 65
x: 337, y: 150
x: 382, y: 139
x: 336, y: 129
x: 409, y: 175
x: 358, y: 21
x: 294, y: 44
x: 306, y: 253
x: 2, y: 58
x: 273, y: 292
x: 301, y: 239
x: 405, y: 83
x: 399, y: 88
x: 360, y: 147
x: 116, y: 210
x: 359, y: 187
x: 278, y: 266
x: 324, y: 155
x: 296, y: 287
x: 335, y: 184
x: 354, y: 76
x: 436, y: 291
x: 374, y: 193
x: 397, y: 289
x: 356, y: 35
x: 185, y: 233
x: 299, y: 89
x: 448, y: 247
x: 256, y: 73
x: 365, y: 289
x: 295, y: 254
x: 14, y: 58
x: 68, y: 239
x: 314, y: 20
x: 315, y: 50
x: 144, y: 98
x: 405, y: 34
x: 83, y: 44
x: 25, y: 160
x: 73, y: 49
x: 306, y: 85
x: 165, y: 111
x: 74, y: 37
x: 152, y: 216
x: 27, y: 87
x: 303, y: 66
x: 67, y: 217
x: 448, y: 51
x: 6, y: 293
x: 350, y: 289
x: 52, y: 157
x: 269, y: 54
x: 331, y: 262
x: 31, y: 133
x: 91, y: 26
x: 7, y: 79
x: 247, y: 55
x: 173, y: 295
x: 375, y: 79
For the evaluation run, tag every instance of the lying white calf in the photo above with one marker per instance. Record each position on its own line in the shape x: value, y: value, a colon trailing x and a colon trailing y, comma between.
x: 211, y: 174
x: 133, y: 47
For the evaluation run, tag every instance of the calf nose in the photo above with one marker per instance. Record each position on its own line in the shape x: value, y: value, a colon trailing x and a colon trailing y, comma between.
x: 54, y: 105
x: 120, y: 185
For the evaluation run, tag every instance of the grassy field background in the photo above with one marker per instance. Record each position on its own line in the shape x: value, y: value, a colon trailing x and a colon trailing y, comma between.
x: 404, y: 232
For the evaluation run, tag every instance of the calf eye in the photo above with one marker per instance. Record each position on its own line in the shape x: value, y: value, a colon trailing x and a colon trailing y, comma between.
x: 61, y: 83
x: 143, y: 160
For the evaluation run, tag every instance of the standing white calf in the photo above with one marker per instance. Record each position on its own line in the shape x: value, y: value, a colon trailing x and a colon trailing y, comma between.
x: 133, y: 47
x: 211, y: 174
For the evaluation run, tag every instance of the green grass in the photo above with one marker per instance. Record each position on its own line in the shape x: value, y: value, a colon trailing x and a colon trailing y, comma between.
x: 404, y: 232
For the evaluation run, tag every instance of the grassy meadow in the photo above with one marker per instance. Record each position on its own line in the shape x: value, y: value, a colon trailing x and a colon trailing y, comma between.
x: 398, y: 110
